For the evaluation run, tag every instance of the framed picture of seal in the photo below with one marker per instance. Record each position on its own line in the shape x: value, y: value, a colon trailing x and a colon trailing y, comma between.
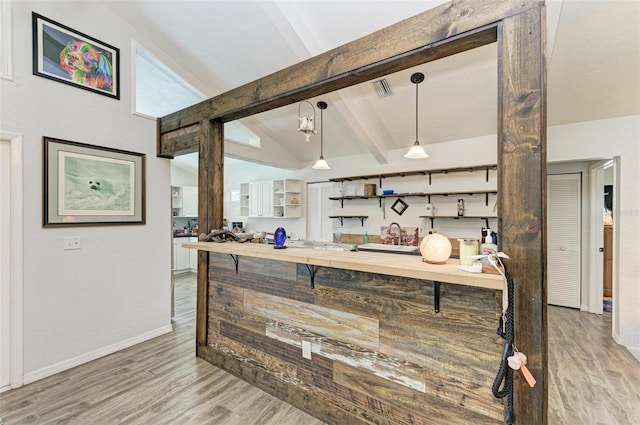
x: 88, y: 185
x: 68, y: 56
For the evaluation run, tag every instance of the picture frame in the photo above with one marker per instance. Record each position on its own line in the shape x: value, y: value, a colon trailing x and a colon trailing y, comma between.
x: 88, y: 185
x: 399, y: 206
x: 70, y: 57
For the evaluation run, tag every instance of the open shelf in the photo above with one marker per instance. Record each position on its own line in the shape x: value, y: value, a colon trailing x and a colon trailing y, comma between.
x: 380, y: 177
x: 342, y: 217
x: 415, y: 194
x: 458, y: 217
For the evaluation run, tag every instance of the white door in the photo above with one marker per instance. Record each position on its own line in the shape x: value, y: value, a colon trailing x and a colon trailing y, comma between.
x: 5, y: 240
x: 319, y: 225
x: 563, y: 239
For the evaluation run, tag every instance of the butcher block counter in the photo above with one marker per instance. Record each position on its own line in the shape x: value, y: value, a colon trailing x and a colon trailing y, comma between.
x: 372, y: 262
x: 355, y: 337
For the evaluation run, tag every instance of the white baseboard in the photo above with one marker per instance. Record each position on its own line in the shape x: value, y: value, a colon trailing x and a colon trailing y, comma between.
x: 5, y: 388
x: 93, y: 355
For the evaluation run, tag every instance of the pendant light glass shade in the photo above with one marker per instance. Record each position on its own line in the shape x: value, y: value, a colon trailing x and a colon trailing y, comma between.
x: 416, y: 151
x: 321, y: 164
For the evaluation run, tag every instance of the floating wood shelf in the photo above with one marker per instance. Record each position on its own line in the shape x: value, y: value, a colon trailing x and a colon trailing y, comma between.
x: 380, y: 177
x: 456, y: 217
x: 415, y: 194
x: 342, y: 217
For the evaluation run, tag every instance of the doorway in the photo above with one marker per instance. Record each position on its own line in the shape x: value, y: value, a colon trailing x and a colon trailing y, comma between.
x: 5, y: 253
x: 11, y: 262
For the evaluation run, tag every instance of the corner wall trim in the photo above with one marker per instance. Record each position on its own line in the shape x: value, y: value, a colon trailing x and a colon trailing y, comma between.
x: 93, y: 355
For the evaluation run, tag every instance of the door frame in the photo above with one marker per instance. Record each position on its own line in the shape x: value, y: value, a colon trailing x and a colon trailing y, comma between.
x: 16, y: 261
x: 596, y: 240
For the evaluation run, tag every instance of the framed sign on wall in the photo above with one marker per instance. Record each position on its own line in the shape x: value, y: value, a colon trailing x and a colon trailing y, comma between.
x: 87, y: 185
x: 68, y: 56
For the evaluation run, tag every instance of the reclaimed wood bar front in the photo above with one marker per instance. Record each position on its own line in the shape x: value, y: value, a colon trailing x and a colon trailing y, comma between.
x: 378, y: 353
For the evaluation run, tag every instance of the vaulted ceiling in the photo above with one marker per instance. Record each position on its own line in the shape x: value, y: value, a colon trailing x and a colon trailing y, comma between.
x: 593, y: 68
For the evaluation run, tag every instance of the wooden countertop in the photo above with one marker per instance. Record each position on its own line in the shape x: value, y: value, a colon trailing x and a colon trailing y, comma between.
x: 373, y: 262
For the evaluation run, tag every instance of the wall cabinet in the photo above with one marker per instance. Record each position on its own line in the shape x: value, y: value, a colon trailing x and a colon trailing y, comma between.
x: 271, y: 198
x: 190, y: 201
x: 184, y: 201
x: 261, y: 199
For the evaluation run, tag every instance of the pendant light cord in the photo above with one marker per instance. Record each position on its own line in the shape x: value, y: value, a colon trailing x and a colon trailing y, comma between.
x: 416, y: 112
x: 321, y: 132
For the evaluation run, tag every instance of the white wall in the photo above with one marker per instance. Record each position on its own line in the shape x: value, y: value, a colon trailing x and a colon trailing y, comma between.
x: 481, y: 150
x: 182, y: 177
x: 618, y: 138
x: 115, y: 290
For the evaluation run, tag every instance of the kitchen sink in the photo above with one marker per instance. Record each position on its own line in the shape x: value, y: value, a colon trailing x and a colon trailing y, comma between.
x: 394, y: 249
x: 327, y: 246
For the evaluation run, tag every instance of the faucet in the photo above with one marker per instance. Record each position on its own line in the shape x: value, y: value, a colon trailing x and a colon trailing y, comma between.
x: 393, y: 240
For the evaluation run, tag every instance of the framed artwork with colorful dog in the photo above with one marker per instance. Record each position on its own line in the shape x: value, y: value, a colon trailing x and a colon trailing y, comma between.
x: 71, y: 57
x: 88, y: 185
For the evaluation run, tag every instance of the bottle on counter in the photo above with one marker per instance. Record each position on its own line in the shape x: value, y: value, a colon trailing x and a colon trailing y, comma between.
x: 366, y: 237
x: 488, y: 247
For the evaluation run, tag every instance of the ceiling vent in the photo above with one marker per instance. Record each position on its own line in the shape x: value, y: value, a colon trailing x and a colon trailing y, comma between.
x: 382, y: 88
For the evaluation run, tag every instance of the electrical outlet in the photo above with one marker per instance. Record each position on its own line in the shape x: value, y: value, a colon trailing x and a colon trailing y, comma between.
x: 71, y: 242
x: 306, y: 349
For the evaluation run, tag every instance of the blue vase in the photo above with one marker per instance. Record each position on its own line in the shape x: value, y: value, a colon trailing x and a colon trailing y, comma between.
x: 279, y: 238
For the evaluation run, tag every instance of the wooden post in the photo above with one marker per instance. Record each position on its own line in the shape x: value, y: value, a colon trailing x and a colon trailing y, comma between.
x: 522, y: 195
x: 210, y: 209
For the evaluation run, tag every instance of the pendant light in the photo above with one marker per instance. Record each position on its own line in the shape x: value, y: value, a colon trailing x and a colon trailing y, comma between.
x: 416, y: 151
x: 321, y: 164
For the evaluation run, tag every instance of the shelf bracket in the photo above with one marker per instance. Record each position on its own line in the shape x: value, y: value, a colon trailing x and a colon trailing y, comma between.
x: 236, y: 258
x: 312, y: 275
x: 431, y: 218
x: 380, y: 181
x: 486, y: 200
x: 429, y: 199
x: 487, y: 175
x: 380, y: 201
x: 341, y: 202
x: 486, y: 223
x: 436, y: 297
x: 429, y: 179
x: 362, y: 222
x: 342, y: 222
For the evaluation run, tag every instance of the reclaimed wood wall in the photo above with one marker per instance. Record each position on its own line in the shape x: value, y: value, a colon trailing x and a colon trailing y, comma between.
x: 380, y: 355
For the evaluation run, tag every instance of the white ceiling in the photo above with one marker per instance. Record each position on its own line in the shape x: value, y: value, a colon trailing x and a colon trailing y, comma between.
x: 593, y: 67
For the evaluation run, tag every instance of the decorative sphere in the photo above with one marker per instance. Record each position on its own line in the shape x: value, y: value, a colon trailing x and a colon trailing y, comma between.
x: 435, y: 249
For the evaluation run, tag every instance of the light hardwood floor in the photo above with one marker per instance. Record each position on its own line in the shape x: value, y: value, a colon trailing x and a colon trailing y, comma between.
x: 158, y: 382
x: 592, y: 381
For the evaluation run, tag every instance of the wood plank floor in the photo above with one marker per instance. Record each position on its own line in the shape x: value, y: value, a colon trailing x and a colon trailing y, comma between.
x: 592, y: 380
x: 157, y: 382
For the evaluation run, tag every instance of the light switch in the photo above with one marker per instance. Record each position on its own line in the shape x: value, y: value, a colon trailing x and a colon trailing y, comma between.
x: 71, y: 242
